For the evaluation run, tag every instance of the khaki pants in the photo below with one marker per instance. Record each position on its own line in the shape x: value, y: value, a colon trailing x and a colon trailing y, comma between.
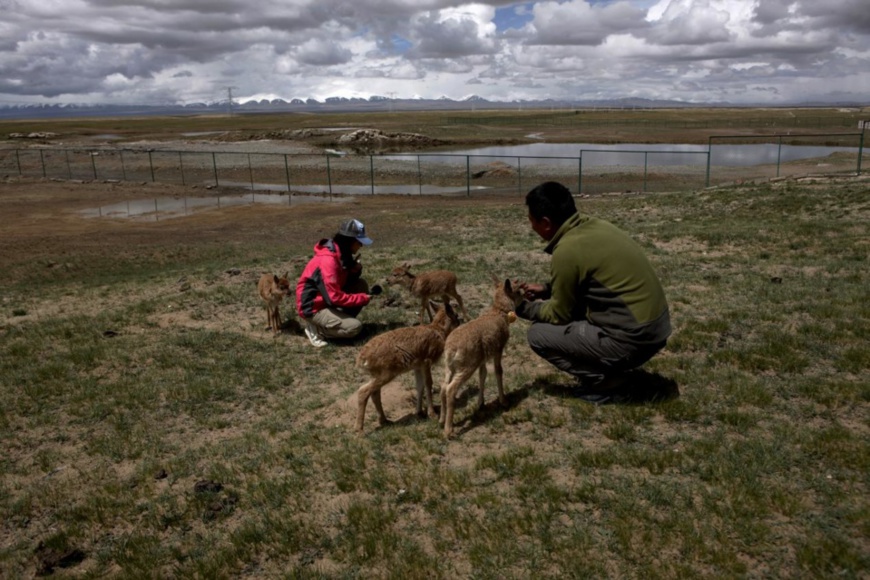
x: 341, y: 322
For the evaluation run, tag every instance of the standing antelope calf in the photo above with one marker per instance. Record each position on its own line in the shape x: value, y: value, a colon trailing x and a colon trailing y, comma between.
x: 426, y: 285
x: 392, y: 353
x: 272, y: 290
x: 473, y: 344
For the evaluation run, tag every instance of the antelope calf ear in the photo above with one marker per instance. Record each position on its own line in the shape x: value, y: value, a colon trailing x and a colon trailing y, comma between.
x: 275, y: 277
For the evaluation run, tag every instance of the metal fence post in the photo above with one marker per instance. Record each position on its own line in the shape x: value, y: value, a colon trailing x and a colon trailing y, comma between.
x: 216, y: 182
x: 287, y: 175
x: 68, y: 169
x: 250, y: 172
x: 329, y: 176
x: 94, y: 163
x: 42, y: 161
x: 151, y: 166
x: 709, y: 151
x: 645, y: 165
x: 519, y: 175
x: 123, y: 169
x: 778, y: 154
x: 181, y: 168
x: 468, y: 176
x: 419, y: 176
x: 372, y: 172
x: 18, y: 162
x: 860, y: 151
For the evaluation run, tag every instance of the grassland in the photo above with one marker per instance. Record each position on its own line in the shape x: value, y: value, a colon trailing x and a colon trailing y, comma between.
x: 152, y: 427
x: 687, y: 125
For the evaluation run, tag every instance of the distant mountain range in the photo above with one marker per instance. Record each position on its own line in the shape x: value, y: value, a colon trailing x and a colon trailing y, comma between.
x: 343, y: 104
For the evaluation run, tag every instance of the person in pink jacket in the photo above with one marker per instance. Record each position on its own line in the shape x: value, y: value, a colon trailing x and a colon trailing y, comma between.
x: 331, y: 291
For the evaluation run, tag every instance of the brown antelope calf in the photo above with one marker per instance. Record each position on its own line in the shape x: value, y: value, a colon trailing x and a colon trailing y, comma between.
x: 272, y: 290
x: 473, y: 344
x: 427, y: 285
x: 392, y: 353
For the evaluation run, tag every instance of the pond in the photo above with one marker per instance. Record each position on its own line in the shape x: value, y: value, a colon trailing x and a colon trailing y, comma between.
x: 634, y: 153
x: 156, y: 209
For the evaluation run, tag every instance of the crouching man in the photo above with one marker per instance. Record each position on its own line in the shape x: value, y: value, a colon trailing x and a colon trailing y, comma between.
x: 603, y: 311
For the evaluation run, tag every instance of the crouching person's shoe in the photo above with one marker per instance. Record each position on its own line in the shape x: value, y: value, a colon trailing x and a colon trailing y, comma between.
x: 313, y: 335
x: 608, y: 389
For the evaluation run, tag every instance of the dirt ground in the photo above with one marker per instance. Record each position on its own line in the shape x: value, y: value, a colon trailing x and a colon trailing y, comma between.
x: 42, y: 218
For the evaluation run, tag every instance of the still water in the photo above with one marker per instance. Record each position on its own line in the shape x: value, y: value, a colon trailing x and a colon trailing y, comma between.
x: 658, y: 154
x: 164, y: 208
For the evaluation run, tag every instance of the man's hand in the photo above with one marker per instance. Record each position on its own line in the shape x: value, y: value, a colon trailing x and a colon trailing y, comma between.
x: 531, y: 291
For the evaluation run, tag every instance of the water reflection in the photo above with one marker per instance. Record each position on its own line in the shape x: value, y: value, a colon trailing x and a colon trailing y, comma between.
x: 637, y: 153
x: 166, y: 208
x: 345, y: 189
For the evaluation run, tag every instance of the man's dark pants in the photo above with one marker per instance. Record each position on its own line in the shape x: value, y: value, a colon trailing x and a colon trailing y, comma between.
x: 585, y: 351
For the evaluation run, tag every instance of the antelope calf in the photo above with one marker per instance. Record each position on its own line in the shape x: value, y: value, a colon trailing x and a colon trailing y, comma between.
x: 272, y: 290
x: 472, y: 345
x: 427, y: 285
x: 392, y: 353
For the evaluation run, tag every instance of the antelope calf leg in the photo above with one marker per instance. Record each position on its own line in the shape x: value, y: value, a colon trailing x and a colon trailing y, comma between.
x: 371, y: 389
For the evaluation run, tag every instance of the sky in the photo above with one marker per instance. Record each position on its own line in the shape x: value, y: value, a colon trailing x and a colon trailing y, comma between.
x: 159, y: 52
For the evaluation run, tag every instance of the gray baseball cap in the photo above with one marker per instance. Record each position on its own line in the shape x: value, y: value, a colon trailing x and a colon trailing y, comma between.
x: 355, y: 229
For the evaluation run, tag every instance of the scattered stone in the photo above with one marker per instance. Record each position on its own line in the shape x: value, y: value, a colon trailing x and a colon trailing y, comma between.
x: 207, y: 486
x: 370, y: 140
x: 35, y: 135
x: 51, y: 558
x: 161, y: 474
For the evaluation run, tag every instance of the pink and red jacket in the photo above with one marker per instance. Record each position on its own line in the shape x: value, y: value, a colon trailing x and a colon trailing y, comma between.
x: 320, y: 285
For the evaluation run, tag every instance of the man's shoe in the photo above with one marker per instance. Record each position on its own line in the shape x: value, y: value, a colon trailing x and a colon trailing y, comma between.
x: 608, y: 390
x: 313, y: 336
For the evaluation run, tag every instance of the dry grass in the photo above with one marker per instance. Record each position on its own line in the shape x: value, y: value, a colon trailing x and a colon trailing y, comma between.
x: 152, y: 426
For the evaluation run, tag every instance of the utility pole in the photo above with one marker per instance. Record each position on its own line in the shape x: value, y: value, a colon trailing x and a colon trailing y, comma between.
x: 230, y: 100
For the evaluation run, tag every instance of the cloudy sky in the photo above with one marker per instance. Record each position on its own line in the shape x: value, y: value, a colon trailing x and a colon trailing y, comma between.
x: 182, y: 51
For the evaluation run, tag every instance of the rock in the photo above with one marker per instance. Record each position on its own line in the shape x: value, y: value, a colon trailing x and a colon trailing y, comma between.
x: 369, y: 140
x: 207, y: 486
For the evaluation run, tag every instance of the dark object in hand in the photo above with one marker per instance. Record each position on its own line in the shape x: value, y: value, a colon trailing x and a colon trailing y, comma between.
x: 376, y: 289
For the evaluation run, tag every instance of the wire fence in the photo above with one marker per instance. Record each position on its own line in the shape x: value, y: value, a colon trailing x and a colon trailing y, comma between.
x: 594, y: 171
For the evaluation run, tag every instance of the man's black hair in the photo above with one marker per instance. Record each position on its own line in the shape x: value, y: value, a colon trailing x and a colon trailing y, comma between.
x: 344, y: 242
x: 552, y: 200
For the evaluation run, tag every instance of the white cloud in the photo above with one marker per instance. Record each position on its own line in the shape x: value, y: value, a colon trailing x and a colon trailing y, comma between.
x: 154, y: 51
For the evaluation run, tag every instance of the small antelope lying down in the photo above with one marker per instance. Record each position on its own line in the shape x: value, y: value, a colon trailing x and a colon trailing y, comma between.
x: 427, y: 285
x: 392, y: 353
x: 272, y: 290
x: 473, y: 344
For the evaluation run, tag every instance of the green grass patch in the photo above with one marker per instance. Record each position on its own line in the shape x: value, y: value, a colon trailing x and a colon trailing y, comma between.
x: 152, y: 427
